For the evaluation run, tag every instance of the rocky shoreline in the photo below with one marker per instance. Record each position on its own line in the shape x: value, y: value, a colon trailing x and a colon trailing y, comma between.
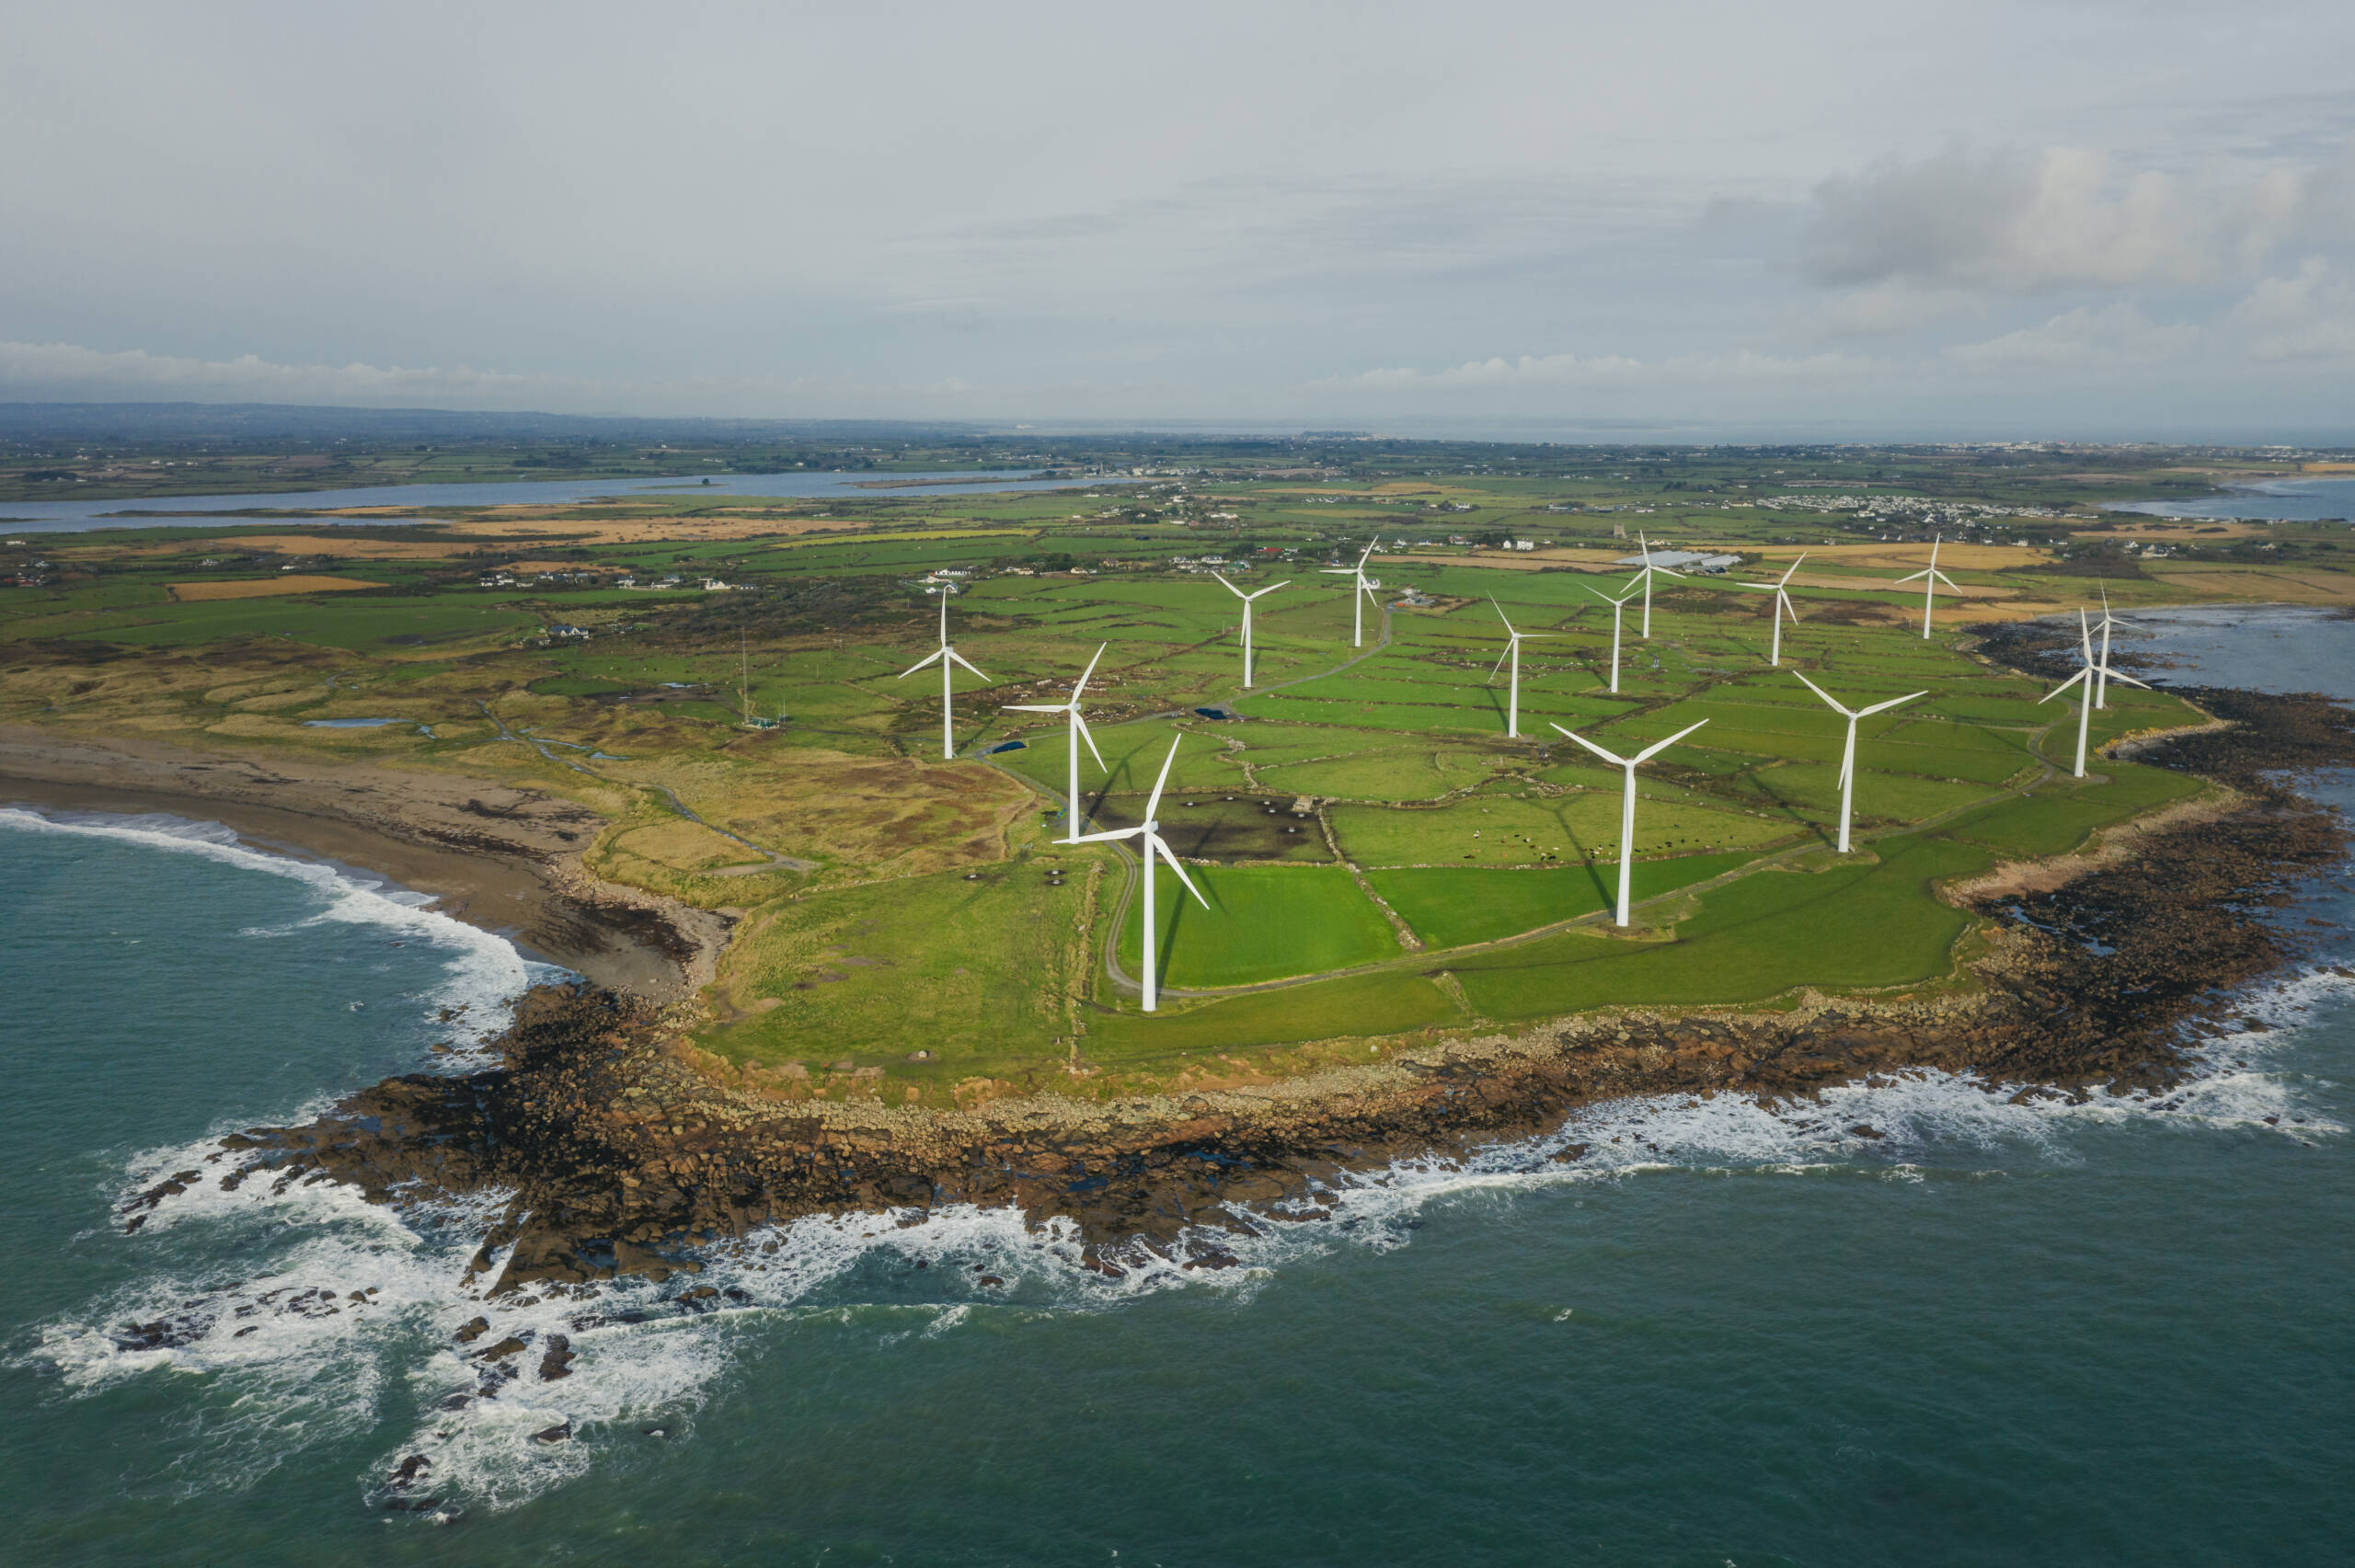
x: 623, y: 1149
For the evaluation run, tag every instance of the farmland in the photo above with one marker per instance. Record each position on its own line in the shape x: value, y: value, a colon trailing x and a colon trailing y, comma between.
x: 1379, y: 856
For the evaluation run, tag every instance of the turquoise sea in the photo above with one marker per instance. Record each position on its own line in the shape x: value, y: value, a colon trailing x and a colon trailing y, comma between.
x: 2016, y: 1334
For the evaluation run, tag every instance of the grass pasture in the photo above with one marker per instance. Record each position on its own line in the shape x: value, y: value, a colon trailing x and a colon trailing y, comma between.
x: 1263, y: 924
x: 923, y: 915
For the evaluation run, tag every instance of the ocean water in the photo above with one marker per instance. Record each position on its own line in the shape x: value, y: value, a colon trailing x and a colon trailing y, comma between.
x: 1999, y: 1331
x: 2286, y: 500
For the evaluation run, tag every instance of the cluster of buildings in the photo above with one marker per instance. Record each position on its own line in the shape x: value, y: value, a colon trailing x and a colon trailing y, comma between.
x: 1909, y: 511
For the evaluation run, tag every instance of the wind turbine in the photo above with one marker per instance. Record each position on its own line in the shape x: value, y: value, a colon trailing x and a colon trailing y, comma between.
x: 1848, y: 754
x: 1782, y: 606
x: 1627, y: 808
x: 947, y: 657
x: 1154, y: 844
x: 2089, y: 674
x: 2101, y: 679
x: 1929, y: 579
x: 1364, y: 585
x: 1619, y: 607
x: 1512, y: 651
x: 1646, y: 575
x: 1078, y: 733
x: 1247, y: 598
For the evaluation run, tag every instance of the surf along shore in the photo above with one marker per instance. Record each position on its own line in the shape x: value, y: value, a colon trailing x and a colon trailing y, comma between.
x: 626, y: 1148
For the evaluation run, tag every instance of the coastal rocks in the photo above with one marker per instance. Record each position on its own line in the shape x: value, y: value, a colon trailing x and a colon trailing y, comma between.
x: 623, y: 1151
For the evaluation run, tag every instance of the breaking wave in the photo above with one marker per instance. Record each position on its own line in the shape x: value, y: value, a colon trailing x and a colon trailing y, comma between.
x: 316, y: 1317
x: 484, y: 972
x: 350, y: 1317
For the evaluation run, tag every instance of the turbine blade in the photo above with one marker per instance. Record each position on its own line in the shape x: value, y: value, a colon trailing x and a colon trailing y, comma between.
x: 1273, y: 586
x: 1500, y: 664
x: 919, y: 664
x: 1795, y: 566
x: 1108, y: 837
x: 1083, y: 674
x: 1230, y: 587
x: 1820, y: 693
x: 1784, y: 606
x: 2110, y: 674
x: 1893, y: 702
x: 1614, y: 762
x: 1500, y: 614
x: 1036, y: 708
x: 1760, y: 587
x: 1657, y: 747
x: 1369, y: 553
x: 1945, y: 579
x: 966, y: 663
x: 1155, y: 844
x: 1917, y: 577
x: 1154, y: 804
x: 1339, y: 571
x: 1081, y: 725
x: 2064, y: 685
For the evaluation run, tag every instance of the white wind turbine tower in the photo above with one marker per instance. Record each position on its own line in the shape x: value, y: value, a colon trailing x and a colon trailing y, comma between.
x: 1359, y: 591
x: 1247, y: 598
x: 1782, y: 607
x: 1149, y: 831
x: 1627, y: 807
x: 1848, y: 754
x: 1929, y: 579
x: 1618, y: 608
x: 1078, y: 733
x: 1512, y: 651
x: 947, y: 657
x: 1646, y: 575
x: 2092, y: 672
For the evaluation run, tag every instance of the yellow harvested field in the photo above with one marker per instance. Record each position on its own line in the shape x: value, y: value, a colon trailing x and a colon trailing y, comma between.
x: 517, y: 524
x: 2262, y: 583
x: 886, y: 536
x: 268, y: 587
x: 359, y: 547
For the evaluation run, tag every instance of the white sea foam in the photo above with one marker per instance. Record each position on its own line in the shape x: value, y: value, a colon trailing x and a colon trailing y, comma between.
x: 484, y: 972
x: 297, y: 1359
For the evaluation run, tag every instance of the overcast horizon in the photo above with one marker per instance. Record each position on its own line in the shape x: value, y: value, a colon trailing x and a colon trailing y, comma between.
x: 2089, y: 221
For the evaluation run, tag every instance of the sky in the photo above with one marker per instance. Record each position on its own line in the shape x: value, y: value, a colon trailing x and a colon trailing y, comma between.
x: 1688, y: 218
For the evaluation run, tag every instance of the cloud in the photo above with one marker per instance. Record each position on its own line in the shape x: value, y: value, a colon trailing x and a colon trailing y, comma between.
x: 2309, y: 316
x: 2009, y: 221
x: 2105, y: 337
x: 2022, y: 223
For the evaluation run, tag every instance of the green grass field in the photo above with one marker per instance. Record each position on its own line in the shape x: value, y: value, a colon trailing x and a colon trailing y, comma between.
x: 1263, y: 924
x: 1397, y: 753
x: 1448, y: 908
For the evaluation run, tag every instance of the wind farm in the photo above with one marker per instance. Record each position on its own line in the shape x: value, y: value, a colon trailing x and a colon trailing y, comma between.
x: 1363, y: 788
x: 925, y: 785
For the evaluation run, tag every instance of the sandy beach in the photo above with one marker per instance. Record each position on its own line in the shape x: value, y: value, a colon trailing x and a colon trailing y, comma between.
x: 496, y: 856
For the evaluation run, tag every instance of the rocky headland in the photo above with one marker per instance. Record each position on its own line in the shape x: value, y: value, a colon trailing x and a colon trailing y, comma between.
x: 623, y: 1148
